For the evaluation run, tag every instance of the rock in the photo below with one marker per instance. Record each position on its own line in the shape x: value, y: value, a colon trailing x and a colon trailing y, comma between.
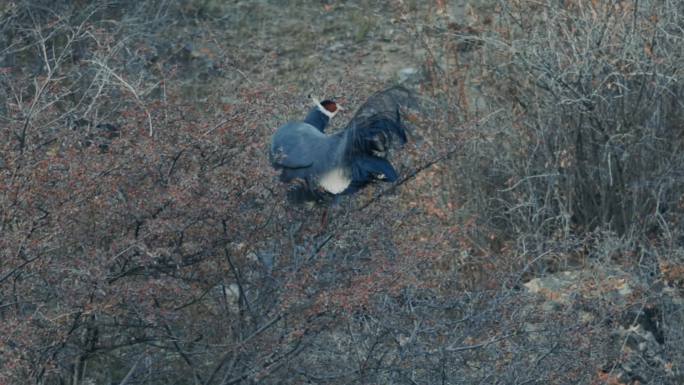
x: 232, y: 295
x: 610, y: 302
x: 407, y: 73
x: 251, y: 256
x: 590, y: 285
x: 336, y: 46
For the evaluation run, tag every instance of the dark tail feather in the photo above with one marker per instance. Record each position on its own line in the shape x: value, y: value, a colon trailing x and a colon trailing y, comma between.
x: 387, y: 102
x: 366, y: 169
x: 370, y: 135
x: 376, y: 133
x: 379, y: 120
x: 371, y: 167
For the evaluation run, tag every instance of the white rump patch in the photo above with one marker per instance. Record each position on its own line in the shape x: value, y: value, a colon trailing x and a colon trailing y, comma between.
x: 335, y: 181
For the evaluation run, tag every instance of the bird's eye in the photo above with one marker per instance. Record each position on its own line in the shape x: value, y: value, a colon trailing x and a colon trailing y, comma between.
x: 329, y: 105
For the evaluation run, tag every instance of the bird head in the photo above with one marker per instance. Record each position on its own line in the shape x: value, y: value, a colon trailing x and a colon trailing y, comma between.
x: 328, y: 107
x: 321, y: 113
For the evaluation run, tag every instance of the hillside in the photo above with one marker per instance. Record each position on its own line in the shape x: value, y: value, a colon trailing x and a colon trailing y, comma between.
x: 535, y: 235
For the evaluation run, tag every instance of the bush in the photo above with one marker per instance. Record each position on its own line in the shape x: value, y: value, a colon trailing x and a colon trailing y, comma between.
x: 144, y: 237
x: 589, y: 136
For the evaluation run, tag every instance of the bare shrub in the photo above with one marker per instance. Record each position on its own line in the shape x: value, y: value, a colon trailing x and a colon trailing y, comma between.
x: 144, y: 237
x: 589, y: 138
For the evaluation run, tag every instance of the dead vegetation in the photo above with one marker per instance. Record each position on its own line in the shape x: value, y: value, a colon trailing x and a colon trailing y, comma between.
x: 535, y: 237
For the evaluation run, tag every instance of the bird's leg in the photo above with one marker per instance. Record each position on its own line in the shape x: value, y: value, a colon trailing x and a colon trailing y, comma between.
x: 324, y: 218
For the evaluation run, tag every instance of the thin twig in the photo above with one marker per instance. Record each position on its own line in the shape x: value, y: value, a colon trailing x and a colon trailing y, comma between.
x: 444, y: 155
x: 130, y: 88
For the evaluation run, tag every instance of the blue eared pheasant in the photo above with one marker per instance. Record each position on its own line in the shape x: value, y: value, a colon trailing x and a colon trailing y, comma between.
x: 318, y: 166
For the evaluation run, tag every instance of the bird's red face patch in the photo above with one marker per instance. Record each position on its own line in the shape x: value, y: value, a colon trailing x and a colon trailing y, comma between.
x: 329, y: 105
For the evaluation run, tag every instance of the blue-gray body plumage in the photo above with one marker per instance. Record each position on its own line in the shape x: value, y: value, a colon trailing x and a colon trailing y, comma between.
x: 319, y: 165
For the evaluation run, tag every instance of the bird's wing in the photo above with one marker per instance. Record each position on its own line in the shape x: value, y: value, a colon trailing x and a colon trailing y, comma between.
x: 292, y: 145
x: 290, y: 159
